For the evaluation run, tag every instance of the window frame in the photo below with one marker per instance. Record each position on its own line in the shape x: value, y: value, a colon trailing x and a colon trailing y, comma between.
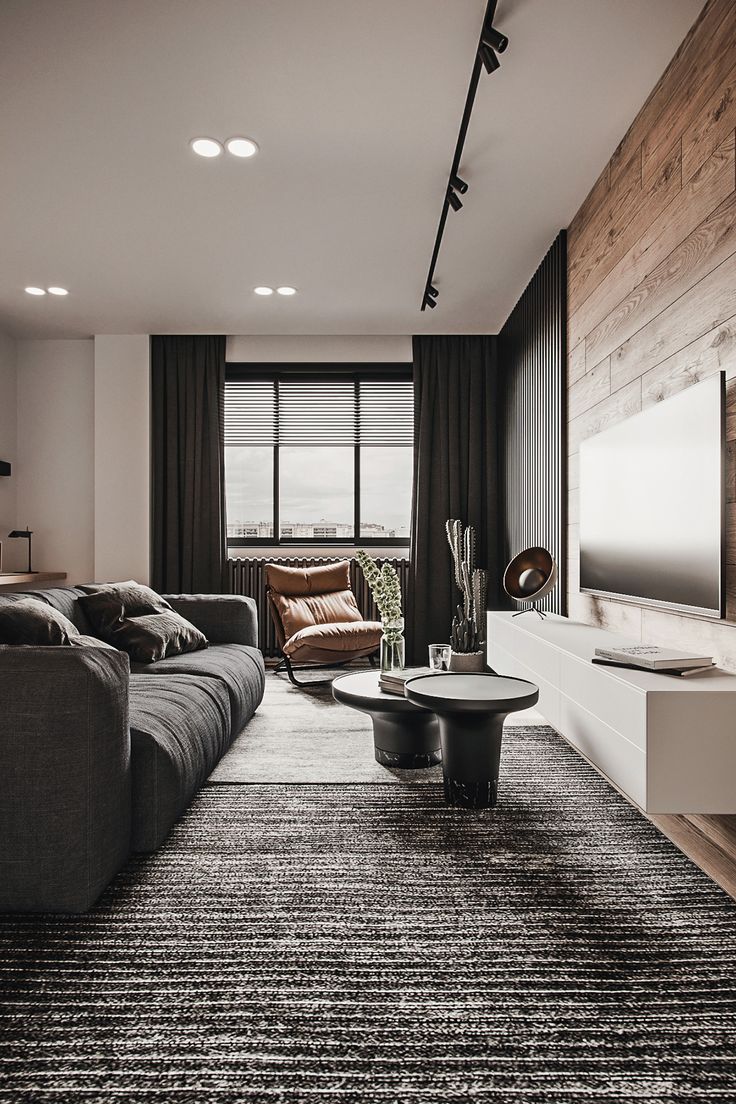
x: 271, y: 373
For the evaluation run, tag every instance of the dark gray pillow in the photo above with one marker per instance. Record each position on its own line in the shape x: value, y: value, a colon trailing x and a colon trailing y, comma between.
x: 135, y: 619
x: 29, y: 621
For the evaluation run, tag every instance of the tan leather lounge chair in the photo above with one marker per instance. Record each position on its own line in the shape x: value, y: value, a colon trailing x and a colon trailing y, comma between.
x: 317, y: 619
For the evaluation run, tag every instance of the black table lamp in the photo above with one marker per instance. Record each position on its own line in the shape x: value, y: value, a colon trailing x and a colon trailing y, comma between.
x: 27, y: 533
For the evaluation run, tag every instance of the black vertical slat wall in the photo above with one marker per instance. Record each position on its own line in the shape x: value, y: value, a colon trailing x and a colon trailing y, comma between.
x: 533, y: 358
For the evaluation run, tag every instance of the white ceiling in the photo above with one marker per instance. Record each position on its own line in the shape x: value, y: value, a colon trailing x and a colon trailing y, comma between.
x: 356, y: 107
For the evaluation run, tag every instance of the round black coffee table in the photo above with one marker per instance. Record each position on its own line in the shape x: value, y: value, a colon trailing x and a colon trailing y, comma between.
x: 471, y: 711
x: 404, y: 735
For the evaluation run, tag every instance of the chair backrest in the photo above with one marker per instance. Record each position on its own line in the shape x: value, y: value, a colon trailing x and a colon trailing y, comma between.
x: 302, y: 596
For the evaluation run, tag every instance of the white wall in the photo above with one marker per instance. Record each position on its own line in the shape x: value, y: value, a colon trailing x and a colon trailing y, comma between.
x: 122, y: 447
x: 330, y: 348
x: 55, y: 452
x: 12, y: 554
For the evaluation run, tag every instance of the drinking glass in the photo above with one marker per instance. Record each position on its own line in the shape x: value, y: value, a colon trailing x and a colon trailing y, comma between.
x: 439, y: 657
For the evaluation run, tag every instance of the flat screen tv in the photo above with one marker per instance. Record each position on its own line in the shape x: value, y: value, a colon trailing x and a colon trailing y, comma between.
x: 652, y: 503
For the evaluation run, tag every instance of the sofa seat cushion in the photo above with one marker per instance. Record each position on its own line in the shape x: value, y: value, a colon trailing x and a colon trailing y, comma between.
x: 322, y: 643
x: 238, y: 667
x: 179, y: 729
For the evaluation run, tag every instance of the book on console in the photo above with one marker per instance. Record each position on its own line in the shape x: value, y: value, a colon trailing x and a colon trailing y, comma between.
x: 681, y: 672
x: 393, y: 681
x: 651, y: 658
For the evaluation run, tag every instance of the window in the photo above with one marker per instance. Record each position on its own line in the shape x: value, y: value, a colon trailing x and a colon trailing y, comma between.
x: 318, y: 456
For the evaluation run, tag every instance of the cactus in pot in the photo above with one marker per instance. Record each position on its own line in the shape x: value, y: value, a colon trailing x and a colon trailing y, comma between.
x: 468, y: 624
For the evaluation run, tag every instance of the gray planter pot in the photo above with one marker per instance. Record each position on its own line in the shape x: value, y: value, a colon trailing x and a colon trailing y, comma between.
x: 467, y: 661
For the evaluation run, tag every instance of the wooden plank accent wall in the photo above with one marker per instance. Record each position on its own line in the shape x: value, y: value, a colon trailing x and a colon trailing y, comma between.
x: 532, y: 353
x: 652, y: 291
x: 652, y: 310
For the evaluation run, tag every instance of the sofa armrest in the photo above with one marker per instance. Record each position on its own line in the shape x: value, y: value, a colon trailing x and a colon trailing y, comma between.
x: 223, y: 618
x: 65, y: 799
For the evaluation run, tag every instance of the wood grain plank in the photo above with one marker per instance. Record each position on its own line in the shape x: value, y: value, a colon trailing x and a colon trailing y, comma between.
x: 710, y: 128
x: 573, y: 472
x: 613, y: 215
x: 617, y: 238
x: 702, y: 251
x: 702, y: 308
x: 590, y: 389
x: 620, y: 617
x: 712, y: 183
x: 712, y: 352
x: 707, y: 61
x: 576, y: 363
x: 609, y: 412
x: 683, y: 72
x: 672, y: 630
x: 699, y: 839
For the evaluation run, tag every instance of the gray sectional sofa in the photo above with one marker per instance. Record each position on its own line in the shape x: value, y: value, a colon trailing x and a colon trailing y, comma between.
x: 98, y: 759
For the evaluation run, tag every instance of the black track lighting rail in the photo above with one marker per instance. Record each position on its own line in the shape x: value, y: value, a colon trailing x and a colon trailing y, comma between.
x: 489, y: 40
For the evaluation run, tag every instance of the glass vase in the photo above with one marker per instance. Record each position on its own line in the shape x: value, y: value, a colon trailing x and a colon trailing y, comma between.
x: 392, y: 645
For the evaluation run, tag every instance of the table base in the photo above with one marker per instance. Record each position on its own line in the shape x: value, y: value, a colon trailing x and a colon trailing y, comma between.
x: 471, y: 754
x: 410, y: 741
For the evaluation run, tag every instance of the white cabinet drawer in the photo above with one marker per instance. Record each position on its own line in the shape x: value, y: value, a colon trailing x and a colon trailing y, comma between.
x: 503, y: 663
x: 535, y: 654
x: 601, y: 693
x: 611, y: 752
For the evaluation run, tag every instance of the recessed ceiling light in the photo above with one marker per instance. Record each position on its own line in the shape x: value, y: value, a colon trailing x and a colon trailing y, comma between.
x: 241, y: 147
x: 206, y: 147
x: 263, y: 291
x: 58, y: 291
x: 286, y: 290
x: 35, y: 291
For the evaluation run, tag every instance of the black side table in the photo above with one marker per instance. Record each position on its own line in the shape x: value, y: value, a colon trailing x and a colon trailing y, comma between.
x: 471, y: 710
x: 404, y: 735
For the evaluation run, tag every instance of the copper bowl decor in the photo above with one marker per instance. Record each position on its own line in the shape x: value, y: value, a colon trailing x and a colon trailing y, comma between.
x: 530, y: 576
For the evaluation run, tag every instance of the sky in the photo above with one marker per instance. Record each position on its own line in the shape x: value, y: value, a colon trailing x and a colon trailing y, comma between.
x: 317, y: 483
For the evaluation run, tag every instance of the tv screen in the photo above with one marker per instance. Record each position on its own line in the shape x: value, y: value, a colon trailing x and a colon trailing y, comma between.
x: 652, y: 504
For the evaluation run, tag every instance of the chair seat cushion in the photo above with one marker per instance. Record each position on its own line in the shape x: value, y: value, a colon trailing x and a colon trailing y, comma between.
x: 238, y: 667
x: 321, y: 643
x: 179, y: 729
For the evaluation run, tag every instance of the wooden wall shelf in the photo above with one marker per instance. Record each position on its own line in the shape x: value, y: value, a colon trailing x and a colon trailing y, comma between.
x: 25, y: 578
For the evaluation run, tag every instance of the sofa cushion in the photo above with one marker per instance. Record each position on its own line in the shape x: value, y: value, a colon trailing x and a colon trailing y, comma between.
x: 179, y: 729
x: 318, y: 643
x: 63, y: 599
x: 140, y: 622
x: 238, y: 667
x: 29, y: 621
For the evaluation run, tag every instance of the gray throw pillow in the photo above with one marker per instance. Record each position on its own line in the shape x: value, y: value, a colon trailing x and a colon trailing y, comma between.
x: 29, y: 621
x: 135, y: 619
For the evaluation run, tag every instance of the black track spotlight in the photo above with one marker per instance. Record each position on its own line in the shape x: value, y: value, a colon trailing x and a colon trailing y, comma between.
x: 432, y: 290
x: 429, y: 302
x: 458, y: 184
x: 454, y: 199
x: 489, y: 59
x: 493, y: 38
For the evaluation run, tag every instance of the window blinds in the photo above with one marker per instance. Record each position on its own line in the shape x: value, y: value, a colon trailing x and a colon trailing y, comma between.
x: 328, y: 411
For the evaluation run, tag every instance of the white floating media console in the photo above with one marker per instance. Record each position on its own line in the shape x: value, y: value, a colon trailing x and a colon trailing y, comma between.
x: 668, y: 743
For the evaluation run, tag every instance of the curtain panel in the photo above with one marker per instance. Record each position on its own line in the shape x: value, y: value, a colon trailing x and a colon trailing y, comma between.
x: 187, y: 400
x: 455, y: 476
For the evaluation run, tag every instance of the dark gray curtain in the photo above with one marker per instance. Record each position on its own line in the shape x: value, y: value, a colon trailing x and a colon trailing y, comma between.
x: 455, y: 475
x: 187, y: 395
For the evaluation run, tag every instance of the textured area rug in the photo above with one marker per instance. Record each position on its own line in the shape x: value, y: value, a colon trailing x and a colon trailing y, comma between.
x: 306, y: 736
x: 366, y: 943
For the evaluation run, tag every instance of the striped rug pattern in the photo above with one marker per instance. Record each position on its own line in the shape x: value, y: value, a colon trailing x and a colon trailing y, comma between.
x: 306, y: 944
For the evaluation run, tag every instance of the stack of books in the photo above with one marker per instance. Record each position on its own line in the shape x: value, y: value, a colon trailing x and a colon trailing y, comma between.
x: 392, y: 682
x: 661, y: 661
